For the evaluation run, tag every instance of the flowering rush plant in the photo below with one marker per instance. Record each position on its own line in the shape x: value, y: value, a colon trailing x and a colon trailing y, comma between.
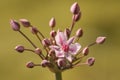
x: 61, y: 51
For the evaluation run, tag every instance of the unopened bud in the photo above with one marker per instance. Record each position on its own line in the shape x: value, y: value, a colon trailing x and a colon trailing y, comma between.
x: 77, y: 17
x: 38, y: 51
x: 85, y: 51
x: 46, y: 42
x: 19, y: 48
x: 15, y: 25
x: 75, y: 9
x: 100, y: 40
x: 90, y: 61
x: 34, y: 30
x: 25, y: 22
x: 67, y: 32
x: 79, y: 32
x: 45, y: 63
x: 52, y: 22
x: 53, y: 33
x: 52, y: 54
x: 30, y: 64
x: 61, y: 63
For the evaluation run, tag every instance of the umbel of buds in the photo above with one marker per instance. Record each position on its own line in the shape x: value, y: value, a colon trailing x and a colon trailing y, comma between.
x: 62, y: 50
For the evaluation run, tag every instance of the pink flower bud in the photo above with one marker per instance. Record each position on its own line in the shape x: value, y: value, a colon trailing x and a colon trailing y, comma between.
x: 67, y: 32
x: 15, y: 25
x: 53, y: 33
x: 61, y: 63
x: 100, y: 40
x: 25, y: 22
x: 77, y: 17
x: 34, y: 30
x: 75, y: 9
x: 79, y: 32
x: 30, y: 65
x: 52, y: 54
x: 46, y: 42
x: 45, y: 63
x: 52, y: 22
x: 38, y: 51
x: 19, y: 48
x: 85, y: 51
x: 90, y: 61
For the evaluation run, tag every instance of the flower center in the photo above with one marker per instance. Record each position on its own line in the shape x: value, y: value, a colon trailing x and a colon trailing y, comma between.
x: 65, y: 47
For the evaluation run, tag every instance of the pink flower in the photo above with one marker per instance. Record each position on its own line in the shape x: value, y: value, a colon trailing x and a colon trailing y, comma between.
x: 65, y: 48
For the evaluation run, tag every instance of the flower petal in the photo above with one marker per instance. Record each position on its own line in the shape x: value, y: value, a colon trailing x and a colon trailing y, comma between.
x: 70, y: 40
x: 74, y: 48
x: 53, y: 47
x: 59, y: 53
x: 69, y: 57
x: 60, y: 38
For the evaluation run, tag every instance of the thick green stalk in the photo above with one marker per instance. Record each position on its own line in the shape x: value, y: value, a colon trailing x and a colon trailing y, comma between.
x: 58, y: 76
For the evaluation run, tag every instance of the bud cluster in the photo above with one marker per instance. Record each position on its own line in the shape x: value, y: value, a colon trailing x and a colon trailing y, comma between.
x: 61, y: 51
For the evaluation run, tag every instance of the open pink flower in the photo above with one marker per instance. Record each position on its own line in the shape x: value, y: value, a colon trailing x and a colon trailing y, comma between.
x: 65, y: 48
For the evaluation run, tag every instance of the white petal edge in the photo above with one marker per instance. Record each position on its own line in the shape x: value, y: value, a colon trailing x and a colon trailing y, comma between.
x: 74, y: 48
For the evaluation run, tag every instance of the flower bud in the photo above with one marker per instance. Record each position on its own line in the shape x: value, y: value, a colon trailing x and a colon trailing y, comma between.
x: 90, y: 61
x: 77, y: 17
x: 30, y: 64
x: 61, y: 63
x: 45, y: 63
x: 52, y: 22
x: 46, y: 42
x: 34, y: 30
x: 52, y: 54
x: 75, y: 9
x: 53, y: 33
x: 38, y: 51
x: 25, y: 22
x: 67, y: 32
x: 15, y: 25
x: 85, y: 51
x: 19, y: 48
x: 79, y: 32
x: 100, y: 40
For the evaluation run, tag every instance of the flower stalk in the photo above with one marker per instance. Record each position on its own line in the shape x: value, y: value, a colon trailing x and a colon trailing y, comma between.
x: 58, y: 76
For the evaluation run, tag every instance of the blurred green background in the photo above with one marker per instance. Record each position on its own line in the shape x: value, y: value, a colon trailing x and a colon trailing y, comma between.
x: 99, y: 17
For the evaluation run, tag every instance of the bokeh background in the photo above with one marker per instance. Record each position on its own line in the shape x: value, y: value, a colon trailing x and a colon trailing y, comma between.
x: 99, y: 17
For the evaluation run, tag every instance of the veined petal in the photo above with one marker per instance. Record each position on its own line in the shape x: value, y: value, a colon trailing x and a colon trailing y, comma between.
x: 60, y: 38
x: 74, y: 48
x: 59, y: 53
x: 53, y: 47
x: 70, y: 40
x: 69, y: 57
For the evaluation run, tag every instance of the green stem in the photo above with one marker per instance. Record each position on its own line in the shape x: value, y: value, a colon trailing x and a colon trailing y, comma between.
x: 58, y: 76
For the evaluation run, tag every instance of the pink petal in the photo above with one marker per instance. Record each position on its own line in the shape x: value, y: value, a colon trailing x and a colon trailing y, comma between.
x: 69, y: 57
x: 59, y: 53
x: 74, y: 48
x: 60, y: 38
x: 70, y: 40
x: 54, y: 47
